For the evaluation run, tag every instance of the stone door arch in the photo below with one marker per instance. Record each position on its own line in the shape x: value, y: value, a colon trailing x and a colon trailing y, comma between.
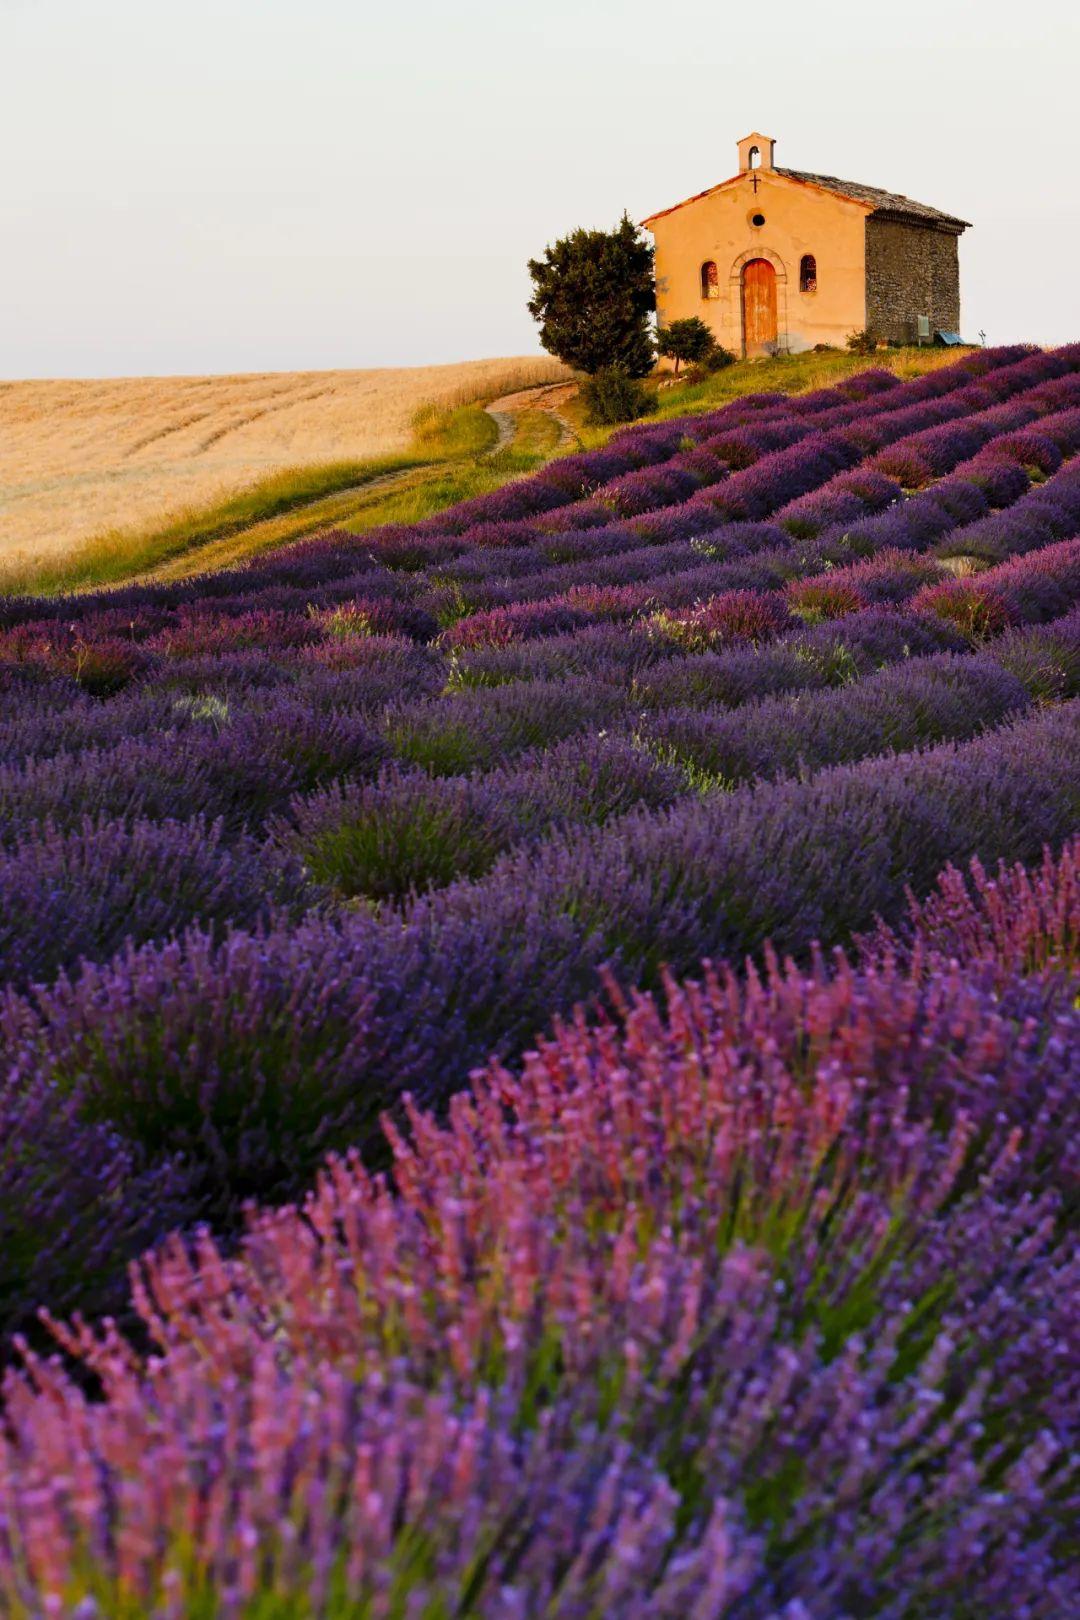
x: 759, y: 286
x: 759, y: 307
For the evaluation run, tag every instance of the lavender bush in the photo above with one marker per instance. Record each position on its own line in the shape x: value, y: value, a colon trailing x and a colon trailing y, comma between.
x: 84, y: 894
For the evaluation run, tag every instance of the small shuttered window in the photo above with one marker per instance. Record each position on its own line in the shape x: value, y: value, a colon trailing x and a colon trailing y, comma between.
x: 808, y: 273
x: 710, y: 280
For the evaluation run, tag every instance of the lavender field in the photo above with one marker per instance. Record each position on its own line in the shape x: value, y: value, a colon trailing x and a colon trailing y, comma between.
x: 540, y: 1062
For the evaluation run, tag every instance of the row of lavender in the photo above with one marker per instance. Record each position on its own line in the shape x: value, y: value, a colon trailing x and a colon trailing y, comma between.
x: 145, y: 837
x: 225, y: 804
x: 754, y: 1304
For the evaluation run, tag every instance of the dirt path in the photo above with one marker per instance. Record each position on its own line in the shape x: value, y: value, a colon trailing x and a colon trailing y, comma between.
x: 549, y: 399
x: 506, y: 424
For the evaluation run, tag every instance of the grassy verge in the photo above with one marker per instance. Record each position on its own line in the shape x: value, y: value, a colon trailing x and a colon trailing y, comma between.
x: 329, y: 512
x: 538, y: 434
x: 784, y: 374
x: 409, y: 503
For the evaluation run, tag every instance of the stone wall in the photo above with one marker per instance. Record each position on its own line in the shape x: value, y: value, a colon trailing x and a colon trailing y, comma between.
x: 910, y: 270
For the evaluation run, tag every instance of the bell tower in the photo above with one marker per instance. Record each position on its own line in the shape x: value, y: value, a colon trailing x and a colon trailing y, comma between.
x: 755, y: 152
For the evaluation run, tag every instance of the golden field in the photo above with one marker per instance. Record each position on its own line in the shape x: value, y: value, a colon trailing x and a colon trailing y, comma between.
x: 79, y: 458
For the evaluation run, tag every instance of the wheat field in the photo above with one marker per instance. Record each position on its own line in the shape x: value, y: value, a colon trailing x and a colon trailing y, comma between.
x: 78, y: 458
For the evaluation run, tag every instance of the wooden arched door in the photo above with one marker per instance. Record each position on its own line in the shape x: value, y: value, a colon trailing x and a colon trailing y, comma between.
x: 758, y: 306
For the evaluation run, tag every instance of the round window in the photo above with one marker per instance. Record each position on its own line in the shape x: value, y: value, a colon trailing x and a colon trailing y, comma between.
x: 757, y: 219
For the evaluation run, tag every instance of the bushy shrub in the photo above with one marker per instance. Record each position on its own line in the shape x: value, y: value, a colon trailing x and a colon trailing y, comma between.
x: 734, y: 449
x: 648, y: 488
x: 1003, y: 482
x: 83, y: 894
x: 589, y: 782
x: 476, y: 730
x: 77, y: 1202
x: 411, y: 831
x: 692, y: 341
x: 105, y: 666
x: 1042, y: 584
x: 1035, y: 451
x: 718, y: 876
x: 907, y: 706
x: 407, y: 831
x: 1045, y: 658
x: 236, y: 766
x: 1014, y: 920
x: 891, y: 576
x: 775, y: 479
x: 201, y: 633
x: 611, y: 395
x: 593, y: 293
x: 378, y: 669
x: 717, y: 358
x: 688, y: 339
x: 862, y: 342
x: 906, y: 464
x: 101, y: 665
x: 879, y: 635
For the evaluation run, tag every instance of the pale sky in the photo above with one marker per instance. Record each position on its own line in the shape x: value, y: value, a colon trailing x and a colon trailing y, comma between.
x: 250, y: 185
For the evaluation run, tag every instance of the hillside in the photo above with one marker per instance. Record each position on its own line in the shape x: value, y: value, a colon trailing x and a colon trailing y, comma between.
x: 274, y: 436
x: 81, y: 457
x: 654, y: 882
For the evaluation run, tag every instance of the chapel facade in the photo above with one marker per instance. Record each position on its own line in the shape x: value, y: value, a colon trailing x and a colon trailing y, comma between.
x: 777, y: 260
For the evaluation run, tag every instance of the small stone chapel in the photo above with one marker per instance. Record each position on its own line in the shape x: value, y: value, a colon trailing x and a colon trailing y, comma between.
x: 777, y: 260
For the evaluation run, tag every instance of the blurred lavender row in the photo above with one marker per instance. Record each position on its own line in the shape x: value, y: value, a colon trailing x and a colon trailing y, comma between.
x: 757, y: 1299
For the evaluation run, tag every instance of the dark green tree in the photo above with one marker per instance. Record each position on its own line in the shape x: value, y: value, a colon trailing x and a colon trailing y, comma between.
x: 593, y: 295
x: 688, y: 340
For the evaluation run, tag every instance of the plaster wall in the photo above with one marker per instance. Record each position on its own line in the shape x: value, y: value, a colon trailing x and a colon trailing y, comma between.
x: 799, y: 219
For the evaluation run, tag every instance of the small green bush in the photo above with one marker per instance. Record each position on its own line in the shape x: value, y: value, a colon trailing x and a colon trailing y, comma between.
x: 863, y: 342
x: 688, y: 340
x: 718, y: 359
x: 612, y: 396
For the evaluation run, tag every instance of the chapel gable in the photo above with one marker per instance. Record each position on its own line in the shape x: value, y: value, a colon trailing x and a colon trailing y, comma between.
x: 776, y: 259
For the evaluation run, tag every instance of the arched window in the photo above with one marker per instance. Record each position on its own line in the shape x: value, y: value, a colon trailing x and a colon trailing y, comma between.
x: 808, y: 273
x: 710, y: 280
x: 753, y: 157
